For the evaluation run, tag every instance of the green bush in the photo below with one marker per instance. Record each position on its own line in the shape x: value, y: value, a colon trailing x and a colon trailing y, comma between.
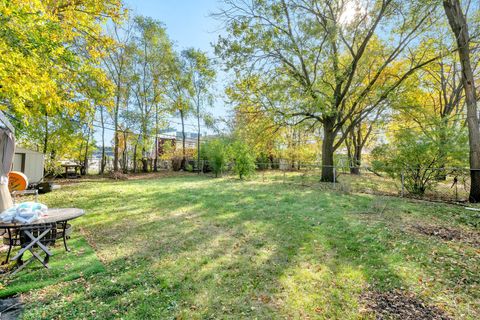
x: 216, y: 153
x: 419, y: 157
x: 243, y: 158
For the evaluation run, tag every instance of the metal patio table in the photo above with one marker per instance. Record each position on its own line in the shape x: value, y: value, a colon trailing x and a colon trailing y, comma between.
x: 39, y: 234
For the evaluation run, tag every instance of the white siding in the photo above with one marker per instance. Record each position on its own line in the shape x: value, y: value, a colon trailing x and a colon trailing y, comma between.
x: 34, y: 166
x: 17, y: 162
x: 34, y: 162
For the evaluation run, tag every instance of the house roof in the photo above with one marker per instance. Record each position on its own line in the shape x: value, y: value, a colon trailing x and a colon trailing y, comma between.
x: 20, y: 149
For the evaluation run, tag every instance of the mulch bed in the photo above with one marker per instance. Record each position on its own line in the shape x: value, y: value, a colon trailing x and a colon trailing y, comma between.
x: 449, y: 234
x: 397, y: 304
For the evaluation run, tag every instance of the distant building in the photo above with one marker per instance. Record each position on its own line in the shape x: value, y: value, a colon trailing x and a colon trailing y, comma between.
x: 174, y: 138
x: 97, y: 154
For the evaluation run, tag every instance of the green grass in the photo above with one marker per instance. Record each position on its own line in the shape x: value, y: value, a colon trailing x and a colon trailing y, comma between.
x: 82, y: 262
x: 199, y: 248
x: 370, y: 183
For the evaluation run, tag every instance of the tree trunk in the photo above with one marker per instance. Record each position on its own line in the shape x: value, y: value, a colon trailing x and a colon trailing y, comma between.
x: 102, y: 160
x: 46, y: 169
x: 184, y: 158
x: 443, y: 140
x: 355, y: 148
x: 85, y: 159
x: 115, y: 127
x: 357, y: 159
x: 45, y: 140
x: 198, y: 137
x: 125, y: 153
x: 135, y: 158
x: 327, y: 151
x: 155, y: 163
x: 459, y: 26
x: 144, y: 161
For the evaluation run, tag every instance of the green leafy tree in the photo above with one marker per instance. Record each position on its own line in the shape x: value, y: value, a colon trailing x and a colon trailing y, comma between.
x: 152, y: 64
x: 118, y: 64
x: 326, y: 67
x: 244, y: 159
x: 180, y: 89
x: 51, y: 54
x: 202, y: 75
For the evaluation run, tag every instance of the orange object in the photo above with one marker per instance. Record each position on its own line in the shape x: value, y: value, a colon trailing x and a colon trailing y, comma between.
x: 17, y: 181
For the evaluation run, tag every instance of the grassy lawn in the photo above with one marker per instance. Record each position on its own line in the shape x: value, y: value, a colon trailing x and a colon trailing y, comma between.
x: 370, y: 183
x: 191, y: 247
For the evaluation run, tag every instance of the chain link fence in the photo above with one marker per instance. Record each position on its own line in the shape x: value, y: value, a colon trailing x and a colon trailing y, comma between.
x: 433, y: 184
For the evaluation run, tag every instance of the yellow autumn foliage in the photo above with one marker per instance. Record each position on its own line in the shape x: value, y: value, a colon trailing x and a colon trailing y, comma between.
x: 50, y: 54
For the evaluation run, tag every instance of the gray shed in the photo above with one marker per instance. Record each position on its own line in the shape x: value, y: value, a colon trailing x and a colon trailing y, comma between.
x: 30, y: 163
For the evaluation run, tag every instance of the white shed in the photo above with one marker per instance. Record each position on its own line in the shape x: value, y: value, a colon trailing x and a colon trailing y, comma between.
x: 30, y: 163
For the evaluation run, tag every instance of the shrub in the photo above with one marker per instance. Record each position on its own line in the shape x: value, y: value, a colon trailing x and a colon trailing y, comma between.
x: 244, y: 159
x: 216, y: 153
x: 419, y: 157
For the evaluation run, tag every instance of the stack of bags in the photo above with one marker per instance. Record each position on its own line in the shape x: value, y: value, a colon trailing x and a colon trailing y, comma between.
x: 26, y: 212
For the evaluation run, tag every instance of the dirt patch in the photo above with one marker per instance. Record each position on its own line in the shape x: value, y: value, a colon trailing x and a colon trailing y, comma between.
x: 449, y: 234
x: 400, y: 305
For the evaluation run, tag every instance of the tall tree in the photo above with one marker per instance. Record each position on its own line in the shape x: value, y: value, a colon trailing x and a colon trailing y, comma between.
x: 103, y: 159
x: 433, y: 101
x: 118, y: 63
x: 179, y: 92
x: 50, y: 69
x: 153, y: 60
x: 258, y: 128
x: 202, y: 76
x: 327, y: 59
x: 458, y: 23
x: 360, y: 135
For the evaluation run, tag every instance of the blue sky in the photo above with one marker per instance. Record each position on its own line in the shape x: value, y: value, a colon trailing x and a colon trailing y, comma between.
x: 188, y: 24
x: 187, y: 21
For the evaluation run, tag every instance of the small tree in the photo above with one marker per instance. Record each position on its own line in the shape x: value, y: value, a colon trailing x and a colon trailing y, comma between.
x: 244, y: 159
x: 216, y: 152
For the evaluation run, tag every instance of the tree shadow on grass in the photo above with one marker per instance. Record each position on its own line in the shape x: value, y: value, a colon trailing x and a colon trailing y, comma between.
x: 231, y: 253
x: 64, y: 266
x: 223, y: 250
